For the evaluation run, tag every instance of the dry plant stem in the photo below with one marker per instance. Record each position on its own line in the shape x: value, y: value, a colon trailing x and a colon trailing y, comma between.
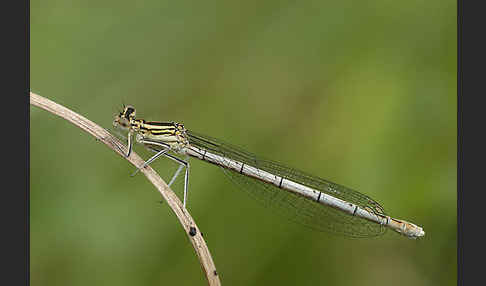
x: 173, y: 201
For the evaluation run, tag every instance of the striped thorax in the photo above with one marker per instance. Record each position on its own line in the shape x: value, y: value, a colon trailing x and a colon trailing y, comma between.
x: 171, y: 133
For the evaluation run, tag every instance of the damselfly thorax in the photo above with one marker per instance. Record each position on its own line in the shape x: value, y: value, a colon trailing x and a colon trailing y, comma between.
x: 173, y: 134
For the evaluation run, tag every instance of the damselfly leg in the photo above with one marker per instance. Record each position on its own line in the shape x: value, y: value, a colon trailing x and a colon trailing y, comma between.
x: 130, y: 143
x: 146, y: 163
x: 163, y: 152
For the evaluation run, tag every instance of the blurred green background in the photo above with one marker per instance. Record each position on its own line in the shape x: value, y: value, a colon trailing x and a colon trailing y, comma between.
x: 362, y: 93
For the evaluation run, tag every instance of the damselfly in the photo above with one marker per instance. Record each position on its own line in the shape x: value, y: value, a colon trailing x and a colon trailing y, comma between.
x: 310, y: 200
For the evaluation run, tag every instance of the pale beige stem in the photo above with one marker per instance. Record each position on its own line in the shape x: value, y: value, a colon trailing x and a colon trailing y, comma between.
x: 190, y: 227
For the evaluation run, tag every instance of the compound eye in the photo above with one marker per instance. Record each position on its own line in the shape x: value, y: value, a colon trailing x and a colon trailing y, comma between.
x: 129, y: 112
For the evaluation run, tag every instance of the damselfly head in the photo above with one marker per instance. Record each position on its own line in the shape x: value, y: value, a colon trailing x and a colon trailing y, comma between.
x: 124, y: 118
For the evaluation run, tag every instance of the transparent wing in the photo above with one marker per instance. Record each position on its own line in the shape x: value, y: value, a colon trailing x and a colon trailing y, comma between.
x: 290, y: 205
